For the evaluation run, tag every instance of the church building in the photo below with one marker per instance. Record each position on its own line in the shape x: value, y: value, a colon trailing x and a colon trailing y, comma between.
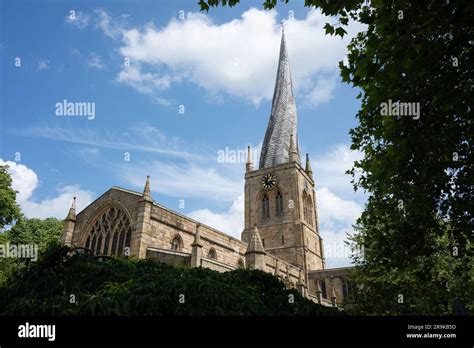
x: 281, y: 234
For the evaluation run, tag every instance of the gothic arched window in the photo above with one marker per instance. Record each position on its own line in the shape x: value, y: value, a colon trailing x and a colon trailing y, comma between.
x: 110, y: 233
x: 99, y: 245
x: 265, y: 207
x: 114, y: 244
x: 176, y: 243
x: 305, y: 211
x: 279, y: 204
x: 212, y: 254
x: 307, y: 208
x: 310, y: 210
x: 93, y: 243
x: 106, y: 244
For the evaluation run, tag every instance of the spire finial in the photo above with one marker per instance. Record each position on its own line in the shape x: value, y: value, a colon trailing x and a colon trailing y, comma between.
x: 293, y: 152
x: 255, y: 244
x: 277, y: 268
x: 71, y: 216
x: 249, y: 164
x: 146, y: 196
x: 197, y: 236
x: 308, y: 168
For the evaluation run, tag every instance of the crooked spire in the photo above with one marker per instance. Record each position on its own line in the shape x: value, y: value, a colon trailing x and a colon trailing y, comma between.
x: 283, y: 117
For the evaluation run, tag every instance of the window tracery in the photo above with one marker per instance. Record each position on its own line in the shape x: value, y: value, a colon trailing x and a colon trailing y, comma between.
x: 112, y: 225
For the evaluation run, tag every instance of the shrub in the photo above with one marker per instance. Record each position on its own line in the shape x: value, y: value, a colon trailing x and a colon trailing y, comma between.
x: 120, y: 286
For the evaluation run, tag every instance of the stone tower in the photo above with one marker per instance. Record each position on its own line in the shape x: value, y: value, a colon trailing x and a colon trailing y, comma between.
x: 279, y: 196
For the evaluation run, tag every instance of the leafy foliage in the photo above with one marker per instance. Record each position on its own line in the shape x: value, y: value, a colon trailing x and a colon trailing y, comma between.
x: 28, y: 232
x: 41, y: 232
x: 119, y: 286
x: 9, y: 209
x: 416, y: 228
x: 206, y: 4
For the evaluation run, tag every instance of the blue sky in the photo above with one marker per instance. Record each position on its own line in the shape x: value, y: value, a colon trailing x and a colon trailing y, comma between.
x: 143, y: 62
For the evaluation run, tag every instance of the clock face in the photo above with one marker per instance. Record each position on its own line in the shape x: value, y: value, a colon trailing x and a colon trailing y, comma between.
x: 269, y: 181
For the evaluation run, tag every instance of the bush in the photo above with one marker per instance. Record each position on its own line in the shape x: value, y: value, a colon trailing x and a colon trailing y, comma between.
x: 119, y: 286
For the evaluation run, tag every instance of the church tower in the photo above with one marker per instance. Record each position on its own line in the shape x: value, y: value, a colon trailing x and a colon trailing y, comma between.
x: 280, y: 199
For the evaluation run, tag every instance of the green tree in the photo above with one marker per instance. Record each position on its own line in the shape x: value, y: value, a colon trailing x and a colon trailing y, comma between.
x: 9, y: 213
x: 40, y: 232
x: 9, y: 208
x: 416, y: 227
x: 36, y: 231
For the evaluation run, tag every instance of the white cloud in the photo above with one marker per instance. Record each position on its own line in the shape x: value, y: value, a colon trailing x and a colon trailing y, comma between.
x: 338, y: 205
x: 185, y: 180
x: 58, y: 206
x: 336, y: 217
x: 77, y: 18
x: 145, y: 83
x: 89, y: 152
x: 330, y: 167
x: 43, y: 65
x: 163, y: 101
x: 323, y: 91
x: 111, y: 27
x: 141, y: 137
x: 333, y: 210
x: 25, y: 181
x: 230, y: 222
x: 94, y: 61
x: 336, y: 252
x: 237, y: 58
x: 218, y: 177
